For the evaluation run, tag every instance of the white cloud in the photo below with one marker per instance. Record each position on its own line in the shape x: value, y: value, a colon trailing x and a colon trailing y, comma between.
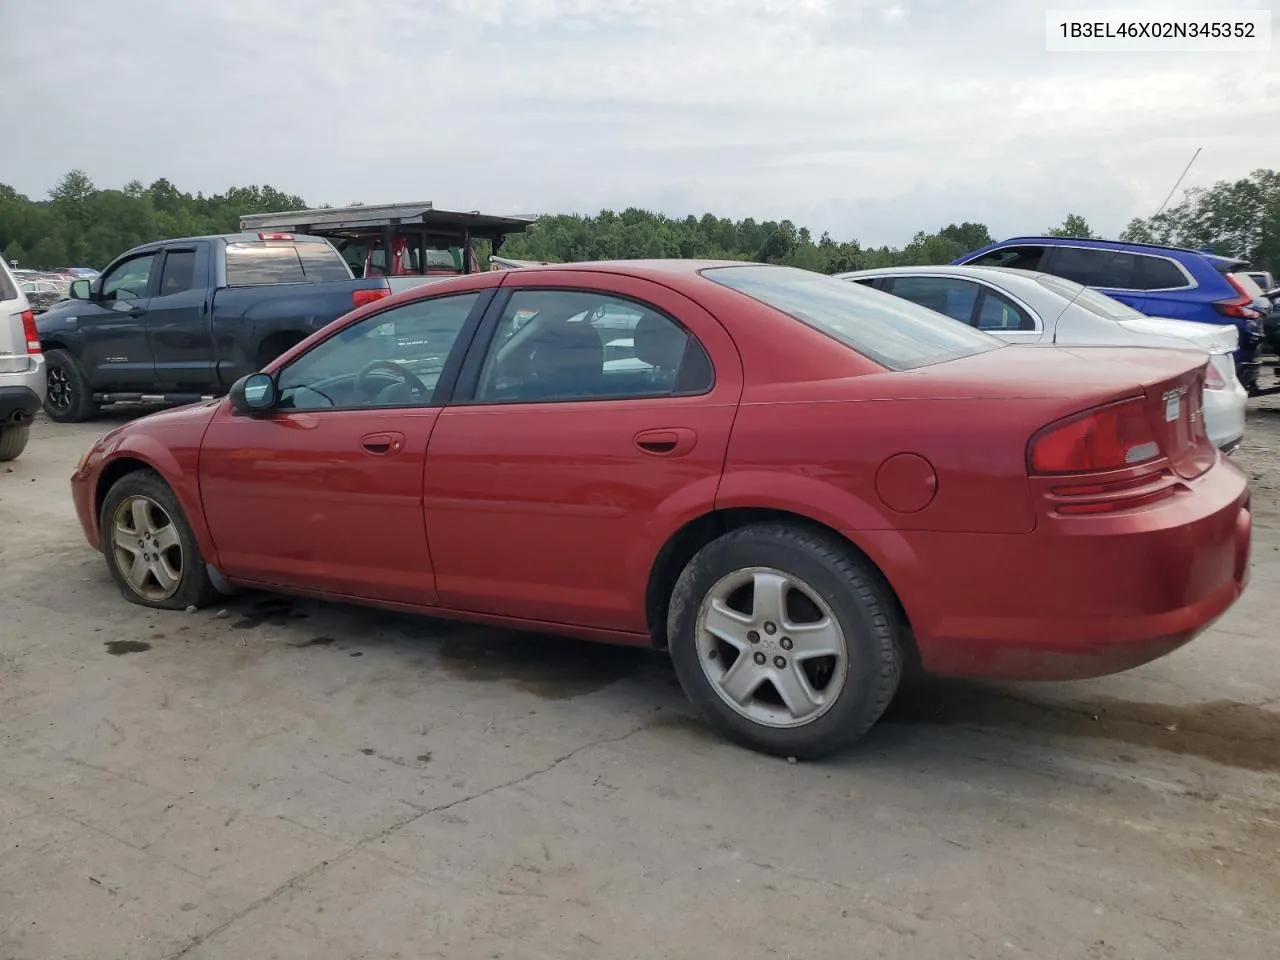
x: 862, y: 117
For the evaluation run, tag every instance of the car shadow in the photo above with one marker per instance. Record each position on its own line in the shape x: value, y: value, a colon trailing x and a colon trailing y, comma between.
x: 1235, y: 734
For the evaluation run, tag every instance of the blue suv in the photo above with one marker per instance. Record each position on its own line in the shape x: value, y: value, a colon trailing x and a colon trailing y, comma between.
x: 1158, y: 281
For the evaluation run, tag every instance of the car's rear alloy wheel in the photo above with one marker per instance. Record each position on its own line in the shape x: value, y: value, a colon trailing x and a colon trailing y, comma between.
x: 149, y: 546
x: 785, y: 639
x: 771, y: 647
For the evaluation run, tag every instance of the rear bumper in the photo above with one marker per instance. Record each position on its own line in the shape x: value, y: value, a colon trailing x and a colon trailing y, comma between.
x: 18, y: 403
x: 1081, y: 596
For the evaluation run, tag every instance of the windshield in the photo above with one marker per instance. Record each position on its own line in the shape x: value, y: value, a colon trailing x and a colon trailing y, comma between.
x: 1096, y: 303
x: 893, y: 332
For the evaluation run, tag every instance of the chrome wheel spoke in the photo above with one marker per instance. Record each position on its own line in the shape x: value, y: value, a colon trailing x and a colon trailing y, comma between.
x: 727, y: 624
x: 140, y: 511
x: 165, y: 575
x: 127, y: 540
x: 742, y: 679
x: 796, y: 692
x: 769, y: 597
x: 166, y: 538
x: 138, y: 570
x: 821, y: 639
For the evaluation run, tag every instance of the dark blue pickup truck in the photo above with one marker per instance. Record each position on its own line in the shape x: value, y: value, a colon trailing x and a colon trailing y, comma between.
x: 180, y: 320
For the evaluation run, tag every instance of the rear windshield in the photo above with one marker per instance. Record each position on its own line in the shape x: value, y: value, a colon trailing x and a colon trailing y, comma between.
x: 1088, y: 298
x: 257, y: 262
x: 893, y: 332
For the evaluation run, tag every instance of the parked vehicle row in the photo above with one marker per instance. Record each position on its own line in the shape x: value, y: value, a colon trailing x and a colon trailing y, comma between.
x: 1170, y: 282
x: 799, y: 486
x: 1022, y: 306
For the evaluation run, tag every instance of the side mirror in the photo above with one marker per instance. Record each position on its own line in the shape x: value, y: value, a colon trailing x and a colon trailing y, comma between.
x: 254, y: 393
x: 79, y: 290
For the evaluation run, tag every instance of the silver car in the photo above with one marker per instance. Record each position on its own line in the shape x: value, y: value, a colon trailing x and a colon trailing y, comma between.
x: 22, y: 376
x: 1024, y: 306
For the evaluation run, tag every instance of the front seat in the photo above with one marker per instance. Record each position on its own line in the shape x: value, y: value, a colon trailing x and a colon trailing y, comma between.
x: 661, y: 344
x: 565, y: 359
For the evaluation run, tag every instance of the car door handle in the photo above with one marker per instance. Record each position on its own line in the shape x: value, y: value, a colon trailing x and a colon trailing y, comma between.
x: 381, y: 444
x: 669, y: 442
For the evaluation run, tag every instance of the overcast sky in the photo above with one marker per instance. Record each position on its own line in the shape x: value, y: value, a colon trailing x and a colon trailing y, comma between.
x: 868, y: 119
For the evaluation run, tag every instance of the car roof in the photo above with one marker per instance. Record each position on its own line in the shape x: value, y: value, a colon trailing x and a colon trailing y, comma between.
x: 1117, y: 244
x: 948, y: 270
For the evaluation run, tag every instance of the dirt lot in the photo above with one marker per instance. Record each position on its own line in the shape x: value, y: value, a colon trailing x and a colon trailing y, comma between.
x: 293, y: 779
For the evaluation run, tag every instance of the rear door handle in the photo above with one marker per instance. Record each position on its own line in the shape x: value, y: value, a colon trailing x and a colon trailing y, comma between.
x: 668, y: 442
x: 382, y: 444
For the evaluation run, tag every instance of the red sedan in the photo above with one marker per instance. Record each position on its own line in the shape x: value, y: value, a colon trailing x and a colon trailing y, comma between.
x: 798, y: 486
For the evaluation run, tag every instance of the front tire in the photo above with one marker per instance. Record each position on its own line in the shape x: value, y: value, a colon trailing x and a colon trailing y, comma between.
x: 69, y: 398
x: 149, y: 546
x: 785, y: 640
x: 13, y: 440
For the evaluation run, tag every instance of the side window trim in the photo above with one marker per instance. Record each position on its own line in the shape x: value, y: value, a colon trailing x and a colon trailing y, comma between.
x: 467, y: 381
x: 449, y: 372
x: 1051, y: 258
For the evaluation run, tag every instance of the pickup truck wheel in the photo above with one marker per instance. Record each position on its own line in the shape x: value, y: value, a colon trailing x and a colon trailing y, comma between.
x: 784, y: 640
x: 149, y: 546
x: 13, y: 440
x: 69, y: 398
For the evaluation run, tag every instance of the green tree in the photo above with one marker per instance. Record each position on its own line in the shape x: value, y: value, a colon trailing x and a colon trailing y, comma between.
x: 15, y: 254
x: 1074, y: 226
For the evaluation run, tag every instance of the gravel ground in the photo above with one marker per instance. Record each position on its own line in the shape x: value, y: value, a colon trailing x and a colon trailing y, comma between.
x: 296, y: 779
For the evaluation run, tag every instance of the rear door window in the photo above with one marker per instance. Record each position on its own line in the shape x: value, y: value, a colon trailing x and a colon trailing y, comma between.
x: 178, y: 274
x: 946, y: 295
x: 1021, y: 257
x: 1157, y: 273
x: 1000, y: 314
x: 1094, y: 267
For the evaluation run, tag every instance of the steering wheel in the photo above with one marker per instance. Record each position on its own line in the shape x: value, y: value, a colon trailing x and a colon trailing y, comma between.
x: 412, y: 382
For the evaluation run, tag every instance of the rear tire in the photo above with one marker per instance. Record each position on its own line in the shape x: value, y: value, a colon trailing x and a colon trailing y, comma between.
x: 808, y: 593
x: 13, y: 440
x: 69, y: 398
x: 149, y: 546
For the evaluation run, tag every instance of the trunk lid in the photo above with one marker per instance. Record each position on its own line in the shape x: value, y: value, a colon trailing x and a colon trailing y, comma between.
x: 1211, y: 337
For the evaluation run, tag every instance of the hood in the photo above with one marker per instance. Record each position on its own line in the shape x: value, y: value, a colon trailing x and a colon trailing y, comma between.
x: 1210, y: 337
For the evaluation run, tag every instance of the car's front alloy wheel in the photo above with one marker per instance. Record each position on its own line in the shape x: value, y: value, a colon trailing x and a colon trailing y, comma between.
x: 149, y: 546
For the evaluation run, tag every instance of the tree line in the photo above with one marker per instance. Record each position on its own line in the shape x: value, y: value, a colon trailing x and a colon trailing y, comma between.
x: 82, y: 225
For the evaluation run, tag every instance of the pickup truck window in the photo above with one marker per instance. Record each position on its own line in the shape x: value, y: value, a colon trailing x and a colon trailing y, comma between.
x: 130, y: 279
x: 257, y: 262
x: 178, y: 274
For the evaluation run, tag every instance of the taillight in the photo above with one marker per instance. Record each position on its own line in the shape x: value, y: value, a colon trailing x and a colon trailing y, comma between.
x: 1213, y: 378
x: 1107, y: 438
x: 1240, y: 307
x: 361, y: 297
x: 30, y: 333
x: 275, y: 236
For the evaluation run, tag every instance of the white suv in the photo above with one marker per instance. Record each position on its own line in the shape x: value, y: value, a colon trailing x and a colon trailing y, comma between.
x: 22, y: 375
